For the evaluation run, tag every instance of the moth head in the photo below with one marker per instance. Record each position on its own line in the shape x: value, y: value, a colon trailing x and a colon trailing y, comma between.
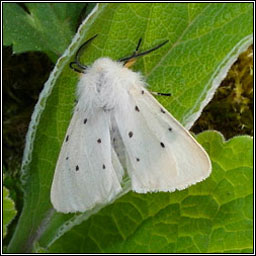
x: 103, y: 64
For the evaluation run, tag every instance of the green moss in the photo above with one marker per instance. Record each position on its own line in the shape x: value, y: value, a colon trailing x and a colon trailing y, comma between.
x: 231, y: 109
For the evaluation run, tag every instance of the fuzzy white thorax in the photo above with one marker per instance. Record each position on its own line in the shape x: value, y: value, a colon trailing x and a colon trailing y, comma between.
x: 105, y: 85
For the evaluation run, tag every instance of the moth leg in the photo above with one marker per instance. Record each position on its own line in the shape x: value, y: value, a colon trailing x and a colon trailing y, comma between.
x: 130, y: 62
x: 132, y: 59
x: 160, y: 93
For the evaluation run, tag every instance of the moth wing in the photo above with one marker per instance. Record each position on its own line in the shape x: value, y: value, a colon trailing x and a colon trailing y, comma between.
x: 162, y: 155
x: 87, y: 171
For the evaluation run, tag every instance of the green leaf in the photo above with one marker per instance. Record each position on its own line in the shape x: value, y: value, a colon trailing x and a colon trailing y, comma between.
x: 48, y: 27
x: 9, y: 211
x: 204, y: 40
x: 214, y: 216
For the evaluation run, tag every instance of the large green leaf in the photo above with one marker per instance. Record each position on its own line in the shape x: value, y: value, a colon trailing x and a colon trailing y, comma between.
x: 48, y: 27
x: 213, y: 216
x: 204, y: 40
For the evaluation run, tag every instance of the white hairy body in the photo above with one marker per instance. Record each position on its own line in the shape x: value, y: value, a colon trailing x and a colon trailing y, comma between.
x: 118, y: 126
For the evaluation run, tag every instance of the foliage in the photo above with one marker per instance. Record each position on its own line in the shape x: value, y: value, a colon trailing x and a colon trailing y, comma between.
x: 204, y: 40
x: 9, y: 211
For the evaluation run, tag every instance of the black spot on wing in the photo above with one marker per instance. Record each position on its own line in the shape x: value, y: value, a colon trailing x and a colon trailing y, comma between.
x: 162, y: 144
x: 85, y: 120
x: 137, y: 159
x: 103, y: 166
x: 99, y: 140
x: 170, y: 129
x: 67, y: 138
x: 162, y: 111
x: 77, y: 168
x: 137, y: 109
x: 130, y: 134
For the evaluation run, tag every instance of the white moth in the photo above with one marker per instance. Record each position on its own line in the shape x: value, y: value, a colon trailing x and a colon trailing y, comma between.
x: 118, y: 127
